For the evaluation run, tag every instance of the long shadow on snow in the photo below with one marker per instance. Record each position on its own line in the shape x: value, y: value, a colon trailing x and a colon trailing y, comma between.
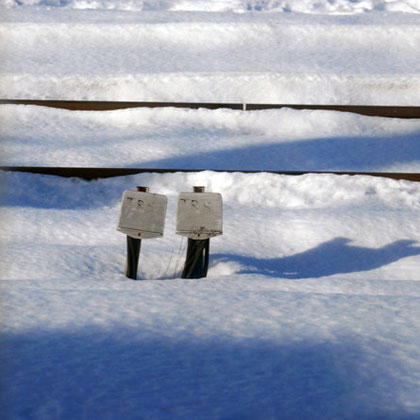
x: 54, y: 192
x: 340, y: 154
x: 322, y: 154
x: 118, y: 374
x: 331, y: 257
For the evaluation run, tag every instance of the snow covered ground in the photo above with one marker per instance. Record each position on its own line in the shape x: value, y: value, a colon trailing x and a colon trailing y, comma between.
x: 173, y: 51
x: 311, y: 307
x: 283, y: 139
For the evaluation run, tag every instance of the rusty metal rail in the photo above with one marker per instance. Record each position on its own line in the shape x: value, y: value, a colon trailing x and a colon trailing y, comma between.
x: 378, y: 111
x: 98, y: 173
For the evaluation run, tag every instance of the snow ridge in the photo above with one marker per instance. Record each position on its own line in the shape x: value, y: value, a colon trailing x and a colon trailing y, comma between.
x: 236, y: 6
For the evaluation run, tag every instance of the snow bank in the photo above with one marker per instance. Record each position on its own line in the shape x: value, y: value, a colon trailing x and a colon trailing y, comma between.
x: 239, y: 6
x: 60, y: 53
x: 310, y: 307
x: 173, y: 138
x: 270, y: 221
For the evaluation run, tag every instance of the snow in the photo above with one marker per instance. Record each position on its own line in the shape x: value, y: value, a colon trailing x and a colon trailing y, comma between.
x: 310, y: 309
x: 310, y: 306
x: 195, y: 56
x: 223, y: 139
x: 238, y: 6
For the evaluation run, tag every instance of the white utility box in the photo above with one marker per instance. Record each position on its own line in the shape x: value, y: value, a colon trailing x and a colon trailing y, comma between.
x: 142, y: 214
x: 199, y: 215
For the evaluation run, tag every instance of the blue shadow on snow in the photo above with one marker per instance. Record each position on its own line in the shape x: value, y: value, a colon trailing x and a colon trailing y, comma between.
x: 329, y: 258
x: 322, y: 154
x: 119, y: 374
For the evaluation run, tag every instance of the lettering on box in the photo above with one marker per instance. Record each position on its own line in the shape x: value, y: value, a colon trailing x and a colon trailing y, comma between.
x: 142, y: 214
x: 199, y: 215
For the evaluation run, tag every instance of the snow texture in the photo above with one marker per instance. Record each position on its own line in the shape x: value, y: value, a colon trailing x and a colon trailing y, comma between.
x: 238, y: 6
x: 311, y: 306
x: 173, y: 138
x: 194, y: 56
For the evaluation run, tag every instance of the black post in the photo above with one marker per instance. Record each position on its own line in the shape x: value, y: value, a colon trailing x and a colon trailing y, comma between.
x: 133, y: 253
x: 197, y: 261
x: 133, y: 250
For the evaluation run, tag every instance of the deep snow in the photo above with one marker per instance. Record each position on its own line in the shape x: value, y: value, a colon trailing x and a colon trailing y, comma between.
x: 311, y: 306
x: 194, y: 56
x: 238, y: 6
x: 173, y: 138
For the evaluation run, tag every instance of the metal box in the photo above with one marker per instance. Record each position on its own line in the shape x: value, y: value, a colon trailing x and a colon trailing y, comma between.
x: 199, y: 215
x: 142, y: 214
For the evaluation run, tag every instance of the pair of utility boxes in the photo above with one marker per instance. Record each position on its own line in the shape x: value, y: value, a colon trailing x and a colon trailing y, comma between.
x: 198, y: 217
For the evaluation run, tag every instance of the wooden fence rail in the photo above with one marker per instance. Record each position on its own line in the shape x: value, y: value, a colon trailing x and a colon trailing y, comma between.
x: 98, y: 173
x: 370, y: 110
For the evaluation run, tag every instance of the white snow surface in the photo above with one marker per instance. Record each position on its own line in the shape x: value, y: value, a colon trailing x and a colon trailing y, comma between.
x: 173, y: 138
x: 311, y: 306
x: 315, y: 52
x: 238, y: 6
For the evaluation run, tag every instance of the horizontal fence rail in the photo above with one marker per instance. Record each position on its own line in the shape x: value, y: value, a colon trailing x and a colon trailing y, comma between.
x: 369, y: 110
x: 98, y: 173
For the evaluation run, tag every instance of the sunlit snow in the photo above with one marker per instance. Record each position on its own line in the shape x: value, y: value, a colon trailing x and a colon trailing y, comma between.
x: 311, y: 306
